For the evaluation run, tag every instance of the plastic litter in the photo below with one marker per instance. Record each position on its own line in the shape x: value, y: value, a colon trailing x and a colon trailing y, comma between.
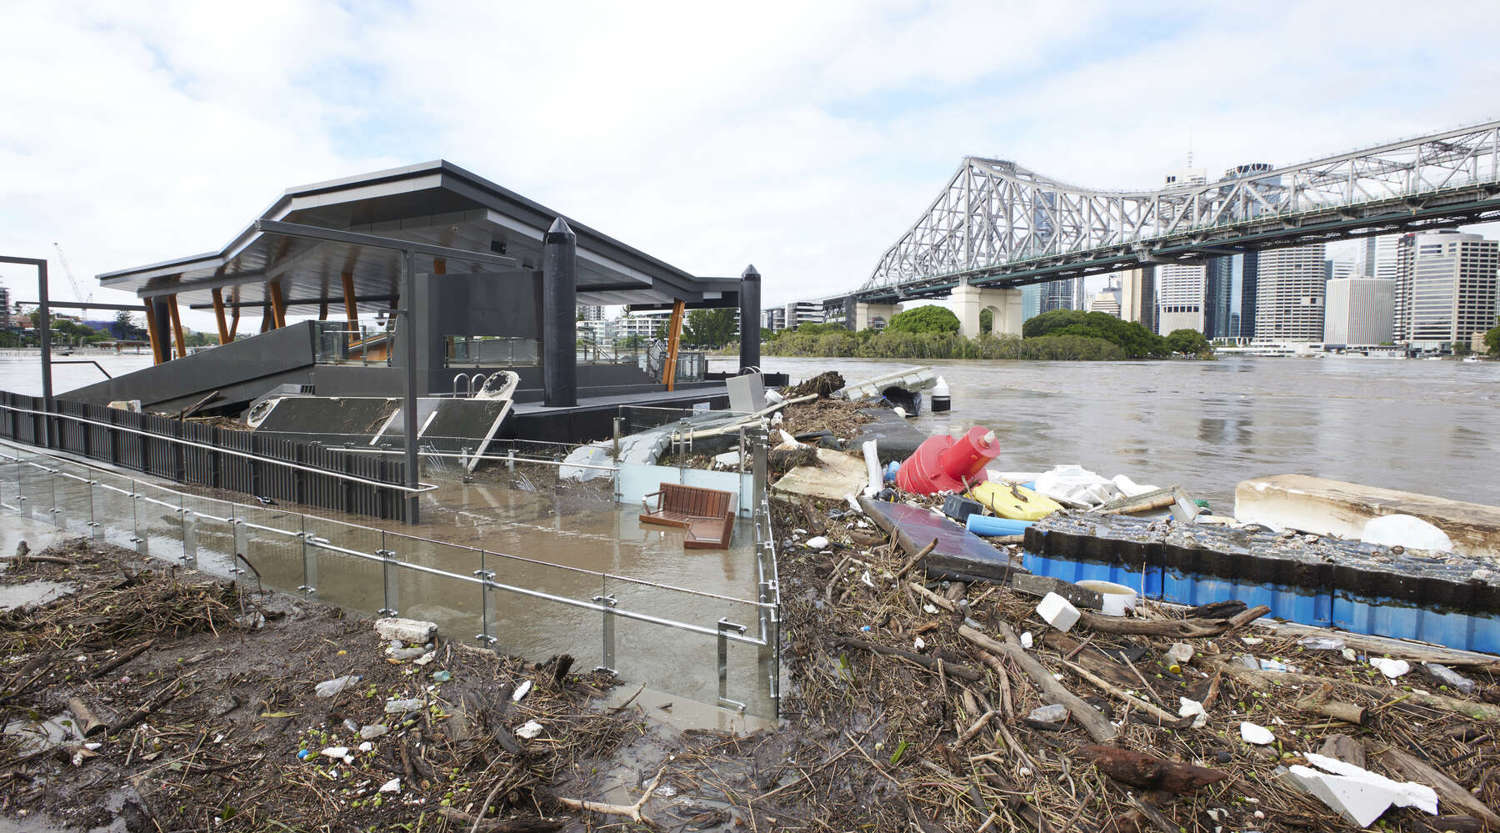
x: 1448, y: 677
x: 942, y: 463
x: 1027, y: 640
x: 391, y: 786
x: 890, y: 471
x: 529, y: 730
x: 1391, y: 668
x: 1406, y: 531
x: 374, y: 730
x: 872, y: 467
x: 1058, y: 612
x: 425, y: 658
x: 1076, y: 484
x: 303, y: 754
x: 1054, y: 713
x: 339, y: 752
x: 442, y: 676
x: 521, y: 691
x: 329, y: 688
x: 366, y: 746
x: 1130, y: 488
x: 406, y: 630
x: 1322, y: 643
x: 960, y: 508
x: 1357, y: 794
x: 351, y: 725
x: 405, y: 653
x: 400, y: 706
x: 1117, y: 599
x: 988, y: 526
x: 817, y: 542
x: 1181, y: 653
x: 1255, y: 733
x: 942, y: 399
x: 1193, y: 709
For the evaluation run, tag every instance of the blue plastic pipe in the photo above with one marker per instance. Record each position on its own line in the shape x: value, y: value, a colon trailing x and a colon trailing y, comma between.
x: 985, y: 525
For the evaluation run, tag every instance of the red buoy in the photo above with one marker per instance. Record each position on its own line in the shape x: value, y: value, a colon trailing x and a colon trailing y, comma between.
x: 943, y: 464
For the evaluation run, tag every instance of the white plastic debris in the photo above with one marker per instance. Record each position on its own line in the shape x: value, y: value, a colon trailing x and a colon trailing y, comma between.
x: 1357, y: 794
x: 918, y: 644
x: 1405, y: 531
x: 411, y: 631
x: 338, y: 752
x: 866, y: 579
x: 1116, y: 599
x: 373, y: 731
x: 1349, y: 654
x: 1058, y: 612
x: 929, y: 609
x: 1180, y: 653
x: 1077, y: 485
x: 1255, y: 733
x: 1054, y: 713
x: 1322, y: 643
x: 405, y: 653
x: 391, y: 786
x: 424, y: 658
x: 1391, y: 668
x: 1193, y: 709
x: 872, y: 467
x: 1027, y: 640
x: 328, y: 688
x: 529, y: 730
x: 521, y: 691
x: 817, y: 542
x: 366, y: 746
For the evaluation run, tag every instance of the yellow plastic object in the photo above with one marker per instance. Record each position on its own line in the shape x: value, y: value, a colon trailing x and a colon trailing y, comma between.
x: 1008, y: 500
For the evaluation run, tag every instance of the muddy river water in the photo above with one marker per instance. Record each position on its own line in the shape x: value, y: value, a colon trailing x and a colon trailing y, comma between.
x: 1422, y: 426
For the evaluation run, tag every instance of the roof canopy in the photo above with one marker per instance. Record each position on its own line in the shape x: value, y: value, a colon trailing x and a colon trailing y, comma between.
x: 434, y: 202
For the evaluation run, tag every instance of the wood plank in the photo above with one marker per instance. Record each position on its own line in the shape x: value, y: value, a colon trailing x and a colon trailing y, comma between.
x: 224, y: 337
x: 176, y: 326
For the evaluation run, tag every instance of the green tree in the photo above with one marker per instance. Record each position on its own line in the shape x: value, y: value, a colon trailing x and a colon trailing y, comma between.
x: 1492, y: 340
x: 924, y: 319
x: 1187, y: 342
x: 709, y: 327
x: 1137, y: 341
x: 986, y: 320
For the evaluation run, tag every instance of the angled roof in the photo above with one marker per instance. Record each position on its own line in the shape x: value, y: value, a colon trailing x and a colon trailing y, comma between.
x: 433, y: 202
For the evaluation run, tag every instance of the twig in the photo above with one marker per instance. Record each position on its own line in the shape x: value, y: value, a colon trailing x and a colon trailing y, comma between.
x: 633, y: 811
x: 937, y: 664
x: 1166, y: 717
x: 1087, y: 716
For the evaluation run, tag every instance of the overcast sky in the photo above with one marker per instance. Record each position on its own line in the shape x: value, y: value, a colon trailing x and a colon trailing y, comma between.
x: 802, y: 137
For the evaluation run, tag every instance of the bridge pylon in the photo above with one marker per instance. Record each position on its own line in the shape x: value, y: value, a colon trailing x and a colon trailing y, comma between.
x: 1005, y: 304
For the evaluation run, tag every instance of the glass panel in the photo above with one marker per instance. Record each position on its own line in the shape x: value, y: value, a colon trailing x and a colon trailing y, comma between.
x: 72, y: 490
x: 159, y: 520
x: 351, y: 581
x: 272, y: 547
x: 114, y: 508
x: 453, y: 603
x: 213, y: 532
x: 538, y: 628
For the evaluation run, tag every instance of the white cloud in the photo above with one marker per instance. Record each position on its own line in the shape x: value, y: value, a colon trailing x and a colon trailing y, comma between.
x: 800, y: 137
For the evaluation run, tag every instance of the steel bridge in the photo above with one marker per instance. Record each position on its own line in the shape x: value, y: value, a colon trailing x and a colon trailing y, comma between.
x: 999, y: 225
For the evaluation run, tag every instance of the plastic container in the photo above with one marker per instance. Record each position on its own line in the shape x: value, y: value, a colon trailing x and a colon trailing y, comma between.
x: 1118, y: 599
x: 940, y: 400
x: 988, y: 526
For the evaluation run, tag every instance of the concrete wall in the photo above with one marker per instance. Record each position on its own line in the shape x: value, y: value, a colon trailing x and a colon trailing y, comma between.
x: 968, y: 301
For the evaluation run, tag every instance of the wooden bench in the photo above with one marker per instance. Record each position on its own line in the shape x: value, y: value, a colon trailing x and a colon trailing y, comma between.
x: 706, y: 514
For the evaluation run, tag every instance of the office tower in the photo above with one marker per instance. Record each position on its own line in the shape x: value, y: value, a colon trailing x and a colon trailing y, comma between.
x: 1031, y: 301
x: 1107, y: 300
x: 1289, y: 294
x: 1358, y: 311
x: 774, y: 319
x: 1338, y: 269
x: 1179, y: 297
x: 590, y: 312
x: 1445, y: 287
x: 1378, y: 257
x: 803, y: 312
x: 1058, y: 295
x: 1249, y: 283
x: 1218, y: 292
x: 4, y: 308
x: 1138, y: 296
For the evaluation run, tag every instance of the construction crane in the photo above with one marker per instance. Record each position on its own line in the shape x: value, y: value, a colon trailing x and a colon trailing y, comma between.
x: 77, y: 291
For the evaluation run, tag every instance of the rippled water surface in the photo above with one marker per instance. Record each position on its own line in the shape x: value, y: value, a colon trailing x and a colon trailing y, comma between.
x: 1423, y: 426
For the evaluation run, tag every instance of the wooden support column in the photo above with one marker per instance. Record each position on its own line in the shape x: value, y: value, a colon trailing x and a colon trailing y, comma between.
x: 224, y: 336
x: 278, y: 304
x: 176, y: 326
x: 323, y: 307
x: 153, y: 334
x: 267, y: 321
x: 351, y: 308
x: 234, y: 322
x: 674, y: 341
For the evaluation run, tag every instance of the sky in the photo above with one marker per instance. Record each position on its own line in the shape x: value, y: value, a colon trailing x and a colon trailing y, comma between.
x: 801, y: 137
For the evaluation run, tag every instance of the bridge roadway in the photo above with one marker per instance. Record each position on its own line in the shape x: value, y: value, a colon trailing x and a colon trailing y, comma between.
x: 999, y: 226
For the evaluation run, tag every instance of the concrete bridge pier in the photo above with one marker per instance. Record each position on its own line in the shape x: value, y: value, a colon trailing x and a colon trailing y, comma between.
x: 864, y: 314
x: 1005, y: 304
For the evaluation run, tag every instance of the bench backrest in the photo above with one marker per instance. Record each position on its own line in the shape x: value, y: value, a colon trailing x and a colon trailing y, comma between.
x: 695, y: 500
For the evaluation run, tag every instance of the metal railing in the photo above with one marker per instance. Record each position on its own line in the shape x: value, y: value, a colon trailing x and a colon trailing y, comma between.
x: 205, y: 455
x: 508, y: 602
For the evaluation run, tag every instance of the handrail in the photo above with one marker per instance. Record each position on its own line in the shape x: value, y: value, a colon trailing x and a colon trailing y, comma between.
x: 419, y: 489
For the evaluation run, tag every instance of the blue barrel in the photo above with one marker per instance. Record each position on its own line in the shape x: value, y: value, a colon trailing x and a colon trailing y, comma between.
x: 986, y: 525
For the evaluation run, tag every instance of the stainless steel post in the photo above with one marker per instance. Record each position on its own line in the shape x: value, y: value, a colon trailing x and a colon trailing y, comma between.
x: 94, y: 524
x: 388, y: 568
x: 309, y: 562
x: 607, y: 631
x: 725, y: 626
x: 409, y: 405
x: 486, y: 611
x: 189, y: 535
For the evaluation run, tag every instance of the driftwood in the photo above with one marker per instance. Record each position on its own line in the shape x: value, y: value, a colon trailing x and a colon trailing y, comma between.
x: 1178, y: 628
x: 1162, y: 716
x: 1088, y: 656
x: 521, y: 825
x: 1344, y: 748
x: 630, y: 811
x: 1149, y: 772
x: 1321, y: 702
x: 1087, y: 716
x: 932, y: 663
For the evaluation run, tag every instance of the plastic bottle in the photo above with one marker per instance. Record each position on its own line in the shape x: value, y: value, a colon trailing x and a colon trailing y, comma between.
x: 940, y: 399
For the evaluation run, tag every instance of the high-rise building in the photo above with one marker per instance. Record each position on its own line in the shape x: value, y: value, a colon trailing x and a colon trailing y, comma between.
x: 1179, y: 297
x: 1138, y: 296
x: 1187, y: 176
x: 590, y: 312
x: 1242, y: 285
x: 1249, y: 288
x: 1218, y: 294
x: 1358, y: 311
x: 1107, y: 300
x: 1378, y: 257
x: 1339, y: 269
x: 1445, y: 287
x: 643, y: 323
x: 1289, y: 294
x: 1059, y: 295
x: 1031, y: 301
x: 4, y: 308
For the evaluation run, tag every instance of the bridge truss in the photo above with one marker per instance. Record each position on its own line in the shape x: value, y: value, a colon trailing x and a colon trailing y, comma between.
x: 999, y: 224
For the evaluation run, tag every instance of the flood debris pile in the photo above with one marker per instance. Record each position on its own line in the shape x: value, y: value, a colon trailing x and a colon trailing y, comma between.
x: 164, y: 700
x: 923, y: 704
